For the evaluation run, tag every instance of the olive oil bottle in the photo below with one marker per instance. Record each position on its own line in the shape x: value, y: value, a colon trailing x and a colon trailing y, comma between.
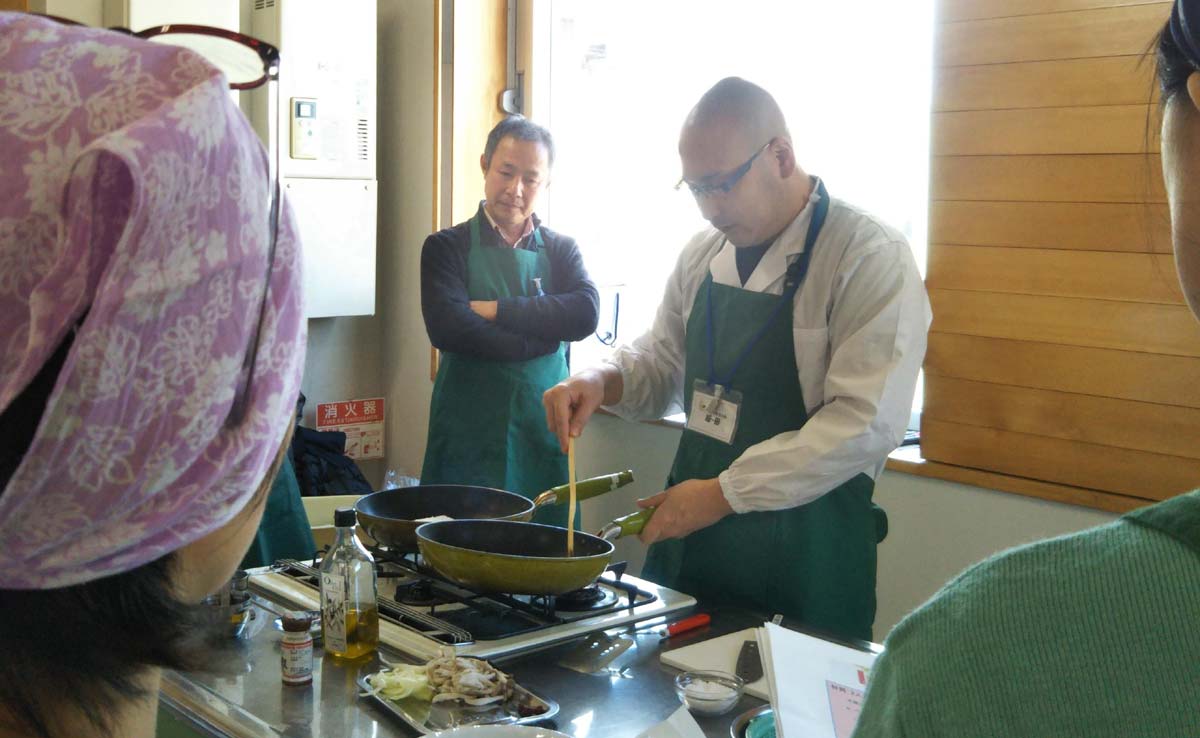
x: 349, y: 608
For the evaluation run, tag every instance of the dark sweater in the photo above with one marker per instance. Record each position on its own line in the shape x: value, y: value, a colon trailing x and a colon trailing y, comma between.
x: 525, y: 327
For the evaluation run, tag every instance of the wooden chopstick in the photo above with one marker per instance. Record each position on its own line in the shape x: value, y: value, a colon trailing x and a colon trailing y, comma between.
x: 571, y: 509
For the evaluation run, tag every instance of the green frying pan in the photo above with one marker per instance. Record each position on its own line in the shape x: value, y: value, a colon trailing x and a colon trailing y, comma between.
x: 521, y: 558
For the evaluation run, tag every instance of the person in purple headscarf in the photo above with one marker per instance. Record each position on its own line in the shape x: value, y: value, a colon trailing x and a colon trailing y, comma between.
x: 151, y: 346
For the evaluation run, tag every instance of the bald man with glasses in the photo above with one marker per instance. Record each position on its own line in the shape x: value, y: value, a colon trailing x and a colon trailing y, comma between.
x: 790, y: 333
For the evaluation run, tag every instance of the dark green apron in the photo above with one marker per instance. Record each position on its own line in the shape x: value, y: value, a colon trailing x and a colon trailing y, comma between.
x: 284, y: 532
x: 815, y: 562
x: 487, y: 426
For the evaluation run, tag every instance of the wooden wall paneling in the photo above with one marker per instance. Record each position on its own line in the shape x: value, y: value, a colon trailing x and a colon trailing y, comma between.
x: 1080, y: 34
x: 1137, y: 228
x: 1127, y: 326
x: 1130, y: 375
x: 959, y: 10
x: 1114, y: 80
x: 1104, y: 421
x: 1134, y: 473
x: 1100, y: 129
x: 1048, y: 178
x: 1061, y: 350
x: 1103, y: 276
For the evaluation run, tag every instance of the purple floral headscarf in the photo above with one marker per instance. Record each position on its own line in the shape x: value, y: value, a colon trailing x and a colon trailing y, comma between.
x: 133, y: 210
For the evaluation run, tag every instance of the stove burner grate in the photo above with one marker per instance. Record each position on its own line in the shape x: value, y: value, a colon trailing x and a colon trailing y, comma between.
x: 430, y: 604
x: 420, y: 593
x: 591, y: 597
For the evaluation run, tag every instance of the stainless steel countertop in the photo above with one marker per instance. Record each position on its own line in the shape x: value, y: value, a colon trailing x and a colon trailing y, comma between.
x: 249, y: 700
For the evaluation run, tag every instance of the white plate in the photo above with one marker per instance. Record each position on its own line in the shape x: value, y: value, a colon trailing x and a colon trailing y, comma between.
x: 499, y: 731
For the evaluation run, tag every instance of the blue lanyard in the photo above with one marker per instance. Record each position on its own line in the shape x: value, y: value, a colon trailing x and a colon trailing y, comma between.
x: 792, y: 281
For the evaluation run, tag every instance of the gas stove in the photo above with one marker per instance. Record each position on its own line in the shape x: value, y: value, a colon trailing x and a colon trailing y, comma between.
x: 421, y: 613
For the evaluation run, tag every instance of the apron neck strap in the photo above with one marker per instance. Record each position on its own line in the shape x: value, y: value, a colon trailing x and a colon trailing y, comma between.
x: 798, y: 269
x: 791, y: 284
x: 475, y: 227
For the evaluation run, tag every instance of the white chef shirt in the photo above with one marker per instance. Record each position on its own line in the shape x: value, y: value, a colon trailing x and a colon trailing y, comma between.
x: 859, y: 328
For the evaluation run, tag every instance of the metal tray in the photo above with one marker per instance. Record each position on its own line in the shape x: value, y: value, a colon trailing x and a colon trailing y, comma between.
x: 741, y: 722
x: 425, y: 717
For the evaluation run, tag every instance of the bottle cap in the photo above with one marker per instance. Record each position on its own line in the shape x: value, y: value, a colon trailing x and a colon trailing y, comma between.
x: 296, y: 622
x: 344, y: 517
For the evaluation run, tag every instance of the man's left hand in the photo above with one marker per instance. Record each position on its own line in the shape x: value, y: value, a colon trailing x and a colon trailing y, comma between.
x: 485, y: 309
x: 685, y: 508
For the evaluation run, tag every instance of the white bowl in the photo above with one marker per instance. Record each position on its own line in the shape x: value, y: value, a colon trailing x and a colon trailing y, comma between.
x: 498, y: 731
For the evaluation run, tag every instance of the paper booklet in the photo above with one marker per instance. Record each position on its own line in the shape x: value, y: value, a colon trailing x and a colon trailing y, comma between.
x: 816, y: 686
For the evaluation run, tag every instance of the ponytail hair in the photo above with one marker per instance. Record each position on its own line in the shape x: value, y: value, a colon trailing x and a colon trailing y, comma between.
x: 1178, y: 48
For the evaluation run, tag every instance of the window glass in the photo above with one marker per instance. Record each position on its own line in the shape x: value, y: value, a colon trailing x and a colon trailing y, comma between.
x: 853, y: 80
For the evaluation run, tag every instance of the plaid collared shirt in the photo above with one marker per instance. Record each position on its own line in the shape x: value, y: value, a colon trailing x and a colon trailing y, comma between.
x: 526, y: 232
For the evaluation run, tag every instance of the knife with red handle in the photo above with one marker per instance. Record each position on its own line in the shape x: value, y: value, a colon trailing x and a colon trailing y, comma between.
x: 683, y: 626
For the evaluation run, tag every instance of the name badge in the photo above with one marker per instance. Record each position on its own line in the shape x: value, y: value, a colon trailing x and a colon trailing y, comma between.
x: 714, y: 411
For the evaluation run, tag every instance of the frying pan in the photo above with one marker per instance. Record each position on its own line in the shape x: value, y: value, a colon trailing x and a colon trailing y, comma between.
x: 521, y: 558
x: 391, y: 517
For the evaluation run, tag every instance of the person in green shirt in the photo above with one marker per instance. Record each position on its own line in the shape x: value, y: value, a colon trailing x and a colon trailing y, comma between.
x: 1092, y: 634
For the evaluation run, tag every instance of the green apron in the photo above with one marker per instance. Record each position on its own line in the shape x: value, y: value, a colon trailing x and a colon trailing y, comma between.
x: 814, y: 562
x: 284, y: 532
x: 487, y: 426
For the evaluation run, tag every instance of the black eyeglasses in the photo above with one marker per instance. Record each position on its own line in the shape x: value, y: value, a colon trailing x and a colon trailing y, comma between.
x: 725, y: 184
x: 247, y: 63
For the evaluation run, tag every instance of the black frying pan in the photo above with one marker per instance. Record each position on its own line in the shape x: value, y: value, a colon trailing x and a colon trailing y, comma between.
x: 392, y: 516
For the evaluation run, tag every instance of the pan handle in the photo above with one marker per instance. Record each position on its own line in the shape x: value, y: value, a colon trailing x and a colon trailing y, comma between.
x: 584, y: 490
x: 627, y: 525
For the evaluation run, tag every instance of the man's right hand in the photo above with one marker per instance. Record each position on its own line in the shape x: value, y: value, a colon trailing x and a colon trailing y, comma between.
x: 570, y: 403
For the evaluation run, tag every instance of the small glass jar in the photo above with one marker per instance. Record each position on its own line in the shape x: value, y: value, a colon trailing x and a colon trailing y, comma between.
x: 296, y: 650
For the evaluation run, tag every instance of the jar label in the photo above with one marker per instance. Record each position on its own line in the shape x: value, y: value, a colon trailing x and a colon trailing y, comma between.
x: 297, y: 661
